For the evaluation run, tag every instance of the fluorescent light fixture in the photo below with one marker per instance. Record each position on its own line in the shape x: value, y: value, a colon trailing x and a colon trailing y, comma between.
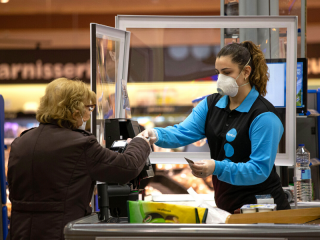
x: 4, y: 1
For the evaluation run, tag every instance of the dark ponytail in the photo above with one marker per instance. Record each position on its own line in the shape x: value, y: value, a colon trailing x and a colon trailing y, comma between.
x: 240, y: 54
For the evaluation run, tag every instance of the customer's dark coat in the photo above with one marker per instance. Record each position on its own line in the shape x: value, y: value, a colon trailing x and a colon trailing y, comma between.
x: 51, y: 176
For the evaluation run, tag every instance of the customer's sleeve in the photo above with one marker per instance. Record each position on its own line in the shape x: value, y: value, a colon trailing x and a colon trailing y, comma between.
x: 265, y: 133
x: 105, y: 165
x: 189, y: 131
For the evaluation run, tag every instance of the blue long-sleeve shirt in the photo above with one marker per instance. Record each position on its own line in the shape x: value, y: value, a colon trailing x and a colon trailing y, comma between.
x: 265, y: 133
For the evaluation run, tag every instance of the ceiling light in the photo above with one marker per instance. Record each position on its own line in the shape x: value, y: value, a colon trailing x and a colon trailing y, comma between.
x: 4, y: 1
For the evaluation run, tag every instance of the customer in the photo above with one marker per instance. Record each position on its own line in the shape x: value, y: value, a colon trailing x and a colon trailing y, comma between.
x: 53, y: 168
x: 243, y: 131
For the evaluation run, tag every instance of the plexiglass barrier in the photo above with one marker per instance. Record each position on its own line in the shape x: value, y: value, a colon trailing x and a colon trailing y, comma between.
x: 172, y: 66
x: 109, y: 63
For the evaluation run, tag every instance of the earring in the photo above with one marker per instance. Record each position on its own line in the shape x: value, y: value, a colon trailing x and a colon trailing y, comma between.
x: 245, y: 79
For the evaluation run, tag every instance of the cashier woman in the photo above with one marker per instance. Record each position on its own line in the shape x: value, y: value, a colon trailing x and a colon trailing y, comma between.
x: 53, y: 168
x: 243, y: 131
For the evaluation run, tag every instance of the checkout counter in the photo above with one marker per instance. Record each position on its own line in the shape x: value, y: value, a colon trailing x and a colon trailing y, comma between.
x: 89, y: 228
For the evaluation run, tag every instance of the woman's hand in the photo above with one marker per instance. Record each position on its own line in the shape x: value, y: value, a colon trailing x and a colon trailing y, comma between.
x: 203, y: 168
x: 144, y: 138
x: 149, y: 134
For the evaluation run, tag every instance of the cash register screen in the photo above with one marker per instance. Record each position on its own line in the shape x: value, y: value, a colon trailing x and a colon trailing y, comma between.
x: 119, y: 144
x: 276, y: 87
x: 276, y: 84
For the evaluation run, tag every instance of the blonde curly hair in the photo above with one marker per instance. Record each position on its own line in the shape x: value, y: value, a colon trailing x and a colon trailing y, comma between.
x: 62, y: 98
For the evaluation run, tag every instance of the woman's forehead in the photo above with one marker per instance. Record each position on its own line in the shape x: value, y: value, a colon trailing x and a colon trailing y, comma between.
x: 224, y: 62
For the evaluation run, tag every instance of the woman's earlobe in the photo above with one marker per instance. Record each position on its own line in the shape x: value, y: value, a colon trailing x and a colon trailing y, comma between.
x: 247, y: 73
x: 246, y: 76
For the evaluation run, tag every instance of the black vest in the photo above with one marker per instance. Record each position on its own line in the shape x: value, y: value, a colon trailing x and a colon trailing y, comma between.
x: 218, y: 122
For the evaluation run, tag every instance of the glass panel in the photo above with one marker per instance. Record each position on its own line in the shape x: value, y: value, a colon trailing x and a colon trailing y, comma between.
x: 107, y: 64
x: 168, y: 70
x: 171, y: 70
x: 150, y: 80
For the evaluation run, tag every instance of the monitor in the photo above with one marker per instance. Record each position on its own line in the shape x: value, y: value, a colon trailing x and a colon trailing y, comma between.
x: 276, y: 87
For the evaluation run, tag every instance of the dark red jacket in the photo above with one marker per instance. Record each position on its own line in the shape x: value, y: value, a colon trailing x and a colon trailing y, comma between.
x: 51, y: 176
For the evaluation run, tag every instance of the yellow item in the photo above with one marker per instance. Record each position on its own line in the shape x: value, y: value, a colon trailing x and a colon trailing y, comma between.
x: 155, y: 212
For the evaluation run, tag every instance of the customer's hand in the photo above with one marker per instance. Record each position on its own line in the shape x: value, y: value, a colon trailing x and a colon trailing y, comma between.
x: 150, y: 134
x: 129, y: 140
x: 203, y: 168
x: 141, y: 136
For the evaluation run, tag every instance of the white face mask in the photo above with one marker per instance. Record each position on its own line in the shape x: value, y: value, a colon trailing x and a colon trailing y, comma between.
x: 228, y: 85
x: 83, y: 126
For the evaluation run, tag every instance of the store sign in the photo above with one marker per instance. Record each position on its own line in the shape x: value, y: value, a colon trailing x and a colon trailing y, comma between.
x: 313, y: 53
x: 42, y: 66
